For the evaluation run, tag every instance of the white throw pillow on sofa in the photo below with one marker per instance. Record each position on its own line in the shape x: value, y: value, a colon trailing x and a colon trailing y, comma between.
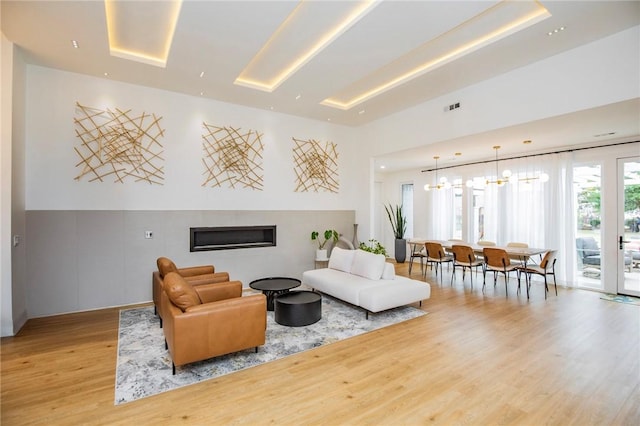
x: 389, y: 272
x: 368, y: 265
x: 341, y: 259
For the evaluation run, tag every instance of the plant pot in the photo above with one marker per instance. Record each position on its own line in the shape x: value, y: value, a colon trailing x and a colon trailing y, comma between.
x: 401, y: 250
x: 321, y: 254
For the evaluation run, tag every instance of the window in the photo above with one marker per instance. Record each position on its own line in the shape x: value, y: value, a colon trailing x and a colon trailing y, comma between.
x: 407, y: 207
x: 587, y: 188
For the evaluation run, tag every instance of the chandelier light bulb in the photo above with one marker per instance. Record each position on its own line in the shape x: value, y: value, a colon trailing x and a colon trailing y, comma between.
x: 544, y: 177
x: 427, y: 187
x: 506, y: 174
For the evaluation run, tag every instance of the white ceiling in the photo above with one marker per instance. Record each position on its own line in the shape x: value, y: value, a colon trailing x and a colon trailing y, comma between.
x: 221, y: 38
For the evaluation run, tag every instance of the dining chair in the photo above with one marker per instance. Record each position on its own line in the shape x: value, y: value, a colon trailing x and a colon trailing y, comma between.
x: 417, y: 251
x: 453, y: 241
x: 547, y: 267
x: 516, y: 258
x: 497, y: 260
x: 485, y: 243
x: 464, y: 257
x: 437, y: 256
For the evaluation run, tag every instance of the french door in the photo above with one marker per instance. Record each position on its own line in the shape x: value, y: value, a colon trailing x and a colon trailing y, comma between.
x: 629, y: 226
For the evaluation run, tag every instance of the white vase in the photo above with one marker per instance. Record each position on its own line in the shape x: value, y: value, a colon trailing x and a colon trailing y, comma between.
x: 321, y: 254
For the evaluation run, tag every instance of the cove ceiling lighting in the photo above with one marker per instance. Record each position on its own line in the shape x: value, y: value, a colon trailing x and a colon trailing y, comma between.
x: 495, y: 23
x: 312, y: 26
x: 142, y: 31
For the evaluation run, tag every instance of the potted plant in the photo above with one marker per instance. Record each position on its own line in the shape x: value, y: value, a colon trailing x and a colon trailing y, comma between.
x: 374, y: 247
x: 329, y: 234
x: 399, y: 226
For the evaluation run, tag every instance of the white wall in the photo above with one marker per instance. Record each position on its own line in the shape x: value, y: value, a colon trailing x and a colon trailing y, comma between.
x: 51, y: 159
x: 6, y: 81
x: 85, y: 239
x: 600, y: 73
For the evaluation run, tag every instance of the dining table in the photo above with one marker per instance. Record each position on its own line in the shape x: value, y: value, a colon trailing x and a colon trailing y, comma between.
x: 523, y: 253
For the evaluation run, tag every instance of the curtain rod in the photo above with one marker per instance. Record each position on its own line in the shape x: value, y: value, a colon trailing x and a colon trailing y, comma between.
x: 529, y: 155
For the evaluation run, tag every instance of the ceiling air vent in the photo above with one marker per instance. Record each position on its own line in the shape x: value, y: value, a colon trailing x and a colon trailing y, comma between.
x: 452, y: 107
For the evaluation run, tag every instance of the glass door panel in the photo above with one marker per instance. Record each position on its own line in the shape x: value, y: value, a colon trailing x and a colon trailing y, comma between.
x: 587, y: 185
x: 629, y: 226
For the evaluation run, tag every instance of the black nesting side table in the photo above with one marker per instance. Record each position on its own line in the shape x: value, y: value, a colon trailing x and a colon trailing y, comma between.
x: 274, y: 286
x: 298, y: 308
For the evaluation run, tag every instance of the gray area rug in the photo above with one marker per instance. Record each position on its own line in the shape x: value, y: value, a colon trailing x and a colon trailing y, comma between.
x: 144, y: 366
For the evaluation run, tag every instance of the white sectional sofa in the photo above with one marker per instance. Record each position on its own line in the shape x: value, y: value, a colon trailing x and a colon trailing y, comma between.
x: 366, y: 280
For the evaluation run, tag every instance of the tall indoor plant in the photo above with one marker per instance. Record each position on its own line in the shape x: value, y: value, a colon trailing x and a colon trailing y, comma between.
x: 399, y: 226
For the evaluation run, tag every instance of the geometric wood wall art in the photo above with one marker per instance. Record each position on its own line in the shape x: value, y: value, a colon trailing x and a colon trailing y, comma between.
x: 232, y: 158
x: 315, y: 166
x: 119, y: 144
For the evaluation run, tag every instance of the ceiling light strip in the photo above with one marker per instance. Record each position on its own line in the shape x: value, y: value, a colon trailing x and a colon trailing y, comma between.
x: 117, y: 15
x: 278, y: 39
x: 493, y: 36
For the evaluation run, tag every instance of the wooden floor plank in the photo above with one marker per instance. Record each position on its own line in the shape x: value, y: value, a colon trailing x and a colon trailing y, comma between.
x: 476, y: 358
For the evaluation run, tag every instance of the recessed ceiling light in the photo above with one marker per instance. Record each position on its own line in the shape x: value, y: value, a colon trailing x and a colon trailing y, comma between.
x: 383, y: 167
x: 555, y: 31
x: 75, y: 44
x: 202, y: 74
x: 201, y: 93
x: 298, y: 97
x: 361, y: 112
x: 106, y: 74
x: 271, y: 108
x: 328, y: 119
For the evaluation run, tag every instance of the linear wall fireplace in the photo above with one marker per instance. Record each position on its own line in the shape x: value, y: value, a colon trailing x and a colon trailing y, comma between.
x: 232, y: 237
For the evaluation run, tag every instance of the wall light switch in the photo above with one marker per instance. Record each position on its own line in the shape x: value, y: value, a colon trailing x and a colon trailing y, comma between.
x: 16, y: 240
x: 148, y: 234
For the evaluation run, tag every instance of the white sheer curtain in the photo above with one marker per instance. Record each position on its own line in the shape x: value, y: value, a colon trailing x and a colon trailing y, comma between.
x: 538, y: 213
x: 440, y: 214
x: 407, y: 207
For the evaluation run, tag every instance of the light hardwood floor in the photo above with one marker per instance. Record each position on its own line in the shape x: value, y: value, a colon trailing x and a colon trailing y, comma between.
x: 477, y: 359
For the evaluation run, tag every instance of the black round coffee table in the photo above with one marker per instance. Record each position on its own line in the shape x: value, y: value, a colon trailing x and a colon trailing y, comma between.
x: 273, y: 286
x: 298, y: 308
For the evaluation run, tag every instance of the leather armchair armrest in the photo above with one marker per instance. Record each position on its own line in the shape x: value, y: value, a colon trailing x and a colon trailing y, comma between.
x: 214, y: 292
x: 196, y: 270
x: 218, y: 277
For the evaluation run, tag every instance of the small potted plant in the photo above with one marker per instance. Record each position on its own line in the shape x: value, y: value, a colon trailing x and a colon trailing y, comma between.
x: 329, y: 234
x: 374, y: 247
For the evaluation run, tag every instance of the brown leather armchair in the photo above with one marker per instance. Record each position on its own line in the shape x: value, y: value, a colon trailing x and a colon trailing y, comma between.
x: 196, y: 275
x: 210, y: 320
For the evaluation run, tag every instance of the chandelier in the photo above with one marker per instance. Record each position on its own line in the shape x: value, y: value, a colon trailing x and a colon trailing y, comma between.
x: 440, y: 184
x: 507, y: 176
